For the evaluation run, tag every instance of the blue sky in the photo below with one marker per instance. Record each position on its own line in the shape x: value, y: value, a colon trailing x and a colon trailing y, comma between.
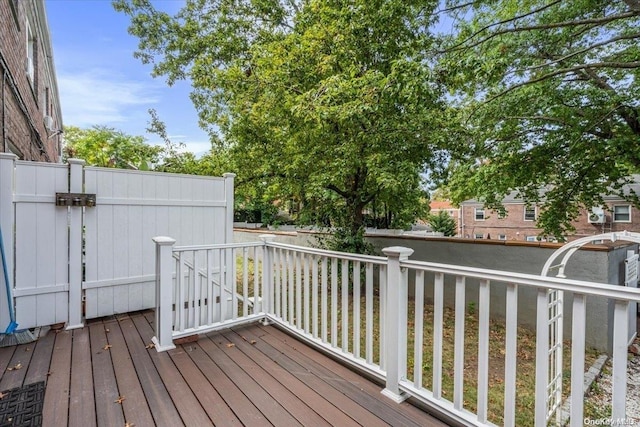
x: 101, y: 83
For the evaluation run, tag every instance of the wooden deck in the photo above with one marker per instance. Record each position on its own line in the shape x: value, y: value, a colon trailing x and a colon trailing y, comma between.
x: 107, y: 374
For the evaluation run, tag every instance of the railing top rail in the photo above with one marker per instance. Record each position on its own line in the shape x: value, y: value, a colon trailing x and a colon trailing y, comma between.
x: 570, y: 285
x: 332, y: 254
x: 217, y: 246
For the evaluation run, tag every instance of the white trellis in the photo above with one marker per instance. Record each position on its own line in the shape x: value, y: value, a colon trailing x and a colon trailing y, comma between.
x: 554, y: 329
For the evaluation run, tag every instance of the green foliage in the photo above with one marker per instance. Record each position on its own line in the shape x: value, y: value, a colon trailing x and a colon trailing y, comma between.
x: 549, y: 94
x: 108, y: 147
x: 345, y: 240
x: 327, y: 105
x: 443, y: 223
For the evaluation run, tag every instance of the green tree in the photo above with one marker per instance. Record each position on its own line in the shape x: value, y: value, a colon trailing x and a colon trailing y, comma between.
x: 443, y: 223
x: 108, y: 147
x: 328, y: 103
x: 551, y: 92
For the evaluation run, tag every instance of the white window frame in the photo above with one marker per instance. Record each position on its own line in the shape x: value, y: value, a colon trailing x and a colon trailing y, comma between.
x: 531, y: 238
x: 502, y: 237
x: 481, y: 236
x: 535, y: 213
x: 476, y: 211
x: 628, y: 214
x: 31, y: 50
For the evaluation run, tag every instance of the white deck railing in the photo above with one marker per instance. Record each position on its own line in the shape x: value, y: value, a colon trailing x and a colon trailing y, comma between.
x: 370, y: 312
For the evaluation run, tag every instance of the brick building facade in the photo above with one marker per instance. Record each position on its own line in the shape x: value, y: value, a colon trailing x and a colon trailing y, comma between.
x: 520, y: 221
x: 29, y: 106
x: 437, y: 206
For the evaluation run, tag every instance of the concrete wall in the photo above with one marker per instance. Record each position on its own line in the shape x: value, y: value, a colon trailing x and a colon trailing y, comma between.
x: 601, y: 264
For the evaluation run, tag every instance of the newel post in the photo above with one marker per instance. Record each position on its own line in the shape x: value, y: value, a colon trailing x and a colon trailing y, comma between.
x: 267, y: 275
x: 395, y: 321
x: 163, y: 339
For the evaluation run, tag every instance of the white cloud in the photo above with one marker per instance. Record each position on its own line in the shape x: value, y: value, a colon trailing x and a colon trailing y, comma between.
x: 98, y: 98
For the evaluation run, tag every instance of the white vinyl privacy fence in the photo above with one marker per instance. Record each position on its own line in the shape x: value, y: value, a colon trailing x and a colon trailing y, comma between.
x: 79, y: 239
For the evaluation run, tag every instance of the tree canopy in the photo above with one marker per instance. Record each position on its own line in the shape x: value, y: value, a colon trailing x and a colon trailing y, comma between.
x: 443, y: 222
x: 549, y: 93
x: 109, y: 147
x: 337, y: 107
x: 330, y: 104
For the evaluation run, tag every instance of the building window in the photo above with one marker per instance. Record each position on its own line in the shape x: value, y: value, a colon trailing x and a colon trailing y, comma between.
x: 478, y: 236
x: 530, y: 213
x: 531, y: 238
x: 622, y: 213
x: 479, y: 214
x: 15, y: 12
x: 47, y: 102
x: 31, y: 55
x: 502, y: 237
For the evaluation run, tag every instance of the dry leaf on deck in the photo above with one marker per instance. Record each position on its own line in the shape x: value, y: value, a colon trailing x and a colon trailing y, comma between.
x: 15, y: 368
x: 107, y: 347
x: 119, y: 400
x: 230, y: 345
x: 150, y: 345
x: 3, y: 395
x: 253, y: 341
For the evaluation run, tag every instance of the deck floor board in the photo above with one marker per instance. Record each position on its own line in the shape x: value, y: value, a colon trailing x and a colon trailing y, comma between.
x: 186, y: 402
x: 18, y: 367
x: 82, y: 408
x: 135, y: 407
x: 291, y: 402
x: 41, y: 360
x: 56, y: 397
x: 281, y: 358
x: 154, y: 388
x: 104, y: 378
x: 107, y: 375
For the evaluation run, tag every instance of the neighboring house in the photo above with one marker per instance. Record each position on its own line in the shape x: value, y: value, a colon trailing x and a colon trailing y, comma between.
x: 30, y: 107
x: 437, y: 206
x: 519, y: 223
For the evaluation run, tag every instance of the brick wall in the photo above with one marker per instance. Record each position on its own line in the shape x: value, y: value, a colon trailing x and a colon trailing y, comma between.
x: 25, y: 99
x: 584, y: 228
x: 515, y: 227
x: 511, y: 227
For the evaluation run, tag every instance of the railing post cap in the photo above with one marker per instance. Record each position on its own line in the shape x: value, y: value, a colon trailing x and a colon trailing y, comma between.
x: 228, y: 175
x: 267, y: 237
x: 164, y: 240
x: 397, y: 251
x: 8, y: 156
x: 76, y: 162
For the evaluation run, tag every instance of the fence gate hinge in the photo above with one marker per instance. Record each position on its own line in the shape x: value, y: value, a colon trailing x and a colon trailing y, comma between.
x: 75, y: 199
